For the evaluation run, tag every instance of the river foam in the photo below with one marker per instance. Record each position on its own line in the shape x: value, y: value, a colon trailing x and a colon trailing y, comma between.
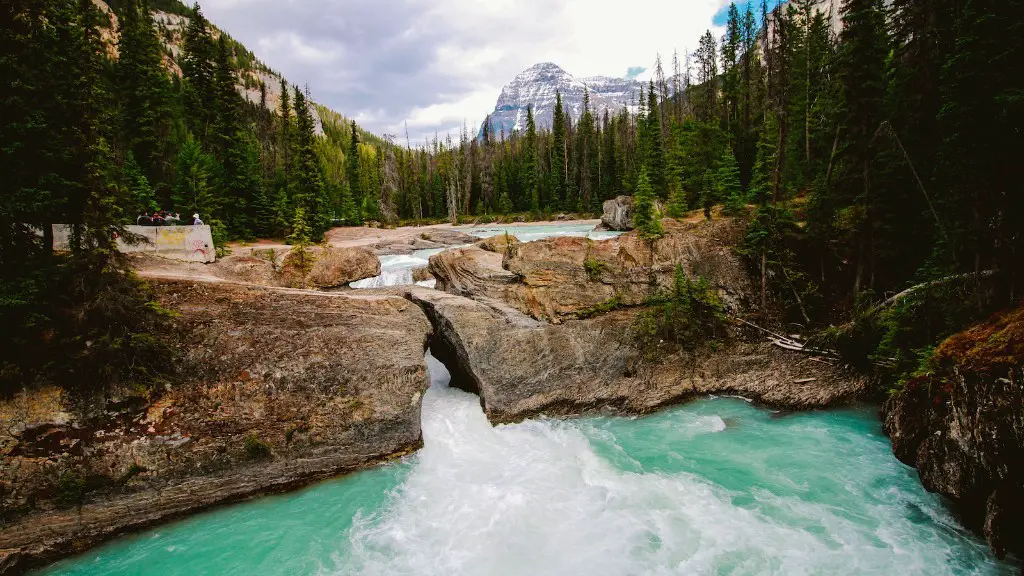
x: 715, y: 487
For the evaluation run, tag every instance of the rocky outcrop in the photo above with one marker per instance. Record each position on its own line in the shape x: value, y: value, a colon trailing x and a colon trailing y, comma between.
x: 278, y: 388
x: 470, y: 271
x: 331, y: 267
x: 962, y: 427
x: 564, y: 277
x: 618, y: 213
x: 522, y: 367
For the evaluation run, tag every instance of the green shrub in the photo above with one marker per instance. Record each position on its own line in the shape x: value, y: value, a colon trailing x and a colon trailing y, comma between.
x: 688, y: 318
x: 133, y: 471
x: 256, y: 449
x: 594, y: 268
x: 70, y: 488
x: 608, y: 305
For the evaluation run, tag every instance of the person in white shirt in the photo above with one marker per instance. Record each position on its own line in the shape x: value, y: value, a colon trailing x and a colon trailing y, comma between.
x: 195, y: 220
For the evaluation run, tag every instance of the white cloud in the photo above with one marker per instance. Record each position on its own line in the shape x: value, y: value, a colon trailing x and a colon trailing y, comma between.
x: 435, y: 63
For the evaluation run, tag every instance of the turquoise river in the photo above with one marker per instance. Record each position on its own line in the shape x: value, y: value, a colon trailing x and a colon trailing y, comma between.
x: 717, y: 486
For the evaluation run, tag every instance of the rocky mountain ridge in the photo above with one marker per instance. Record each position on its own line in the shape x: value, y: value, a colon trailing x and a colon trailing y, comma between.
x: 171, y: 27
x: 537, y: 86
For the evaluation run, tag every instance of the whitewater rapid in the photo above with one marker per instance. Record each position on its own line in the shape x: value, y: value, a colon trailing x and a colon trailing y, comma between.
x: 537, y: 498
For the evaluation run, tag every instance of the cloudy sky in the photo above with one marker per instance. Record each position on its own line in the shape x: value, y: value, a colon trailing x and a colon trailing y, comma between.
x: 437, y: 63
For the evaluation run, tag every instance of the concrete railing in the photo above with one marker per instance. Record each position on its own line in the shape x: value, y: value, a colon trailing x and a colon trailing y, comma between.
x: 187, y: 243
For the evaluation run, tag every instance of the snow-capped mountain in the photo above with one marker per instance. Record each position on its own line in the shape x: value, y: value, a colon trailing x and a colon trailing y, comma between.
x: 537, y: 85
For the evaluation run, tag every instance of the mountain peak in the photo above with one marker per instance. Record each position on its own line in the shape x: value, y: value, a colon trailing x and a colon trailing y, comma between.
x: 536, y: 86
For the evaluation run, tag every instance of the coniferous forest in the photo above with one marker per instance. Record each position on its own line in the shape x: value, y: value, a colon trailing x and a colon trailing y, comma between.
x: 868, y: 161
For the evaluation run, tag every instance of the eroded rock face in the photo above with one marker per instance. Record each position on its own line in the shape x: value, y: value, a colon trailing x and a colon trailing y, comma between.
x: 963, y: 428
x: 618, y: 213
x: 279, y: 388
x: 560, y: 278
x: 470, y: 270
x: 522, y: 367
x: 331, y: 267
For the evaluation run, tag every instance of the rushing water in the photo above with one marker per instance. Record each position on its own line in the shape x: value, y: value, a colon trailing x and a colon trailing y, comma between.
x: 397, y: 270
x: 714, y: 487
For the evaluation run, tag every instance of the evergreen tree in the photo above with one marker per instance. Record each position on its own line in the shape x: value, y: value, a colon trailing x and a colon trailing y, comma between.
x: 142, y: 199
x: 354, y: 213
x: 646, y: 220
x: 194, y: 188
x: 144, y: 91
x: 727, y: 181
x: 559, y: 164
x: 531, y: 183
x: 587, y: 147
x: 707, y: 76
x: 199, y: 76
x: 863, y: 51
x: 609, y: 159
x: 308, y: 181
x: 655, y: 154
x: 731, y: 50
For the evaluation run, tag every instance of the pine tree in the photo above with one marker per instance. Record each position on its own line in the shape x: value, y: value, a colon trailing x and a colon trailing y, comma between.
x: 559, y: 164
x: 531, y: 182
x: 194, y: 189
x: 609, y: 157
x: 707, y: 76
x: 144, y: 90
x: 731, y: 47
x: 586, y: 148
x: 727, y: 181
x: 646, y: 220
x: 308, y: 181
x: 142, y: 199
x: 863, y: 51
x: 355, y: 213
x: 199, y: 76
x: 655, y: 154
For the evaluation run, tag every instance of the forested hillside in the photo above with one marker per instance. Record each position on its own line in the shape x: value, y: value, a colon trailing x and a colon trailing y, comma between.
x: 867, y: 161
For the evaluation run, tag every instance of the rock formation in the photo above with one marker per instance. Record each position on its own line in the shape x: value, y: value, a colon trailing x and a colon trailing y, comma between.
x: 522, y: 367
x: 278, y: 388
x: 618, y: 213
x: 563, y: 277
x: 962, y: 427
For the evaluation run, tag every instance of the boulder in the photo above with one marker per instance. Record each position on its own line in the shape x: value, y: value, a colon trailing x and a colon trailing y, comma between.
x: 618, y: 213
x: 500, y: 243
x: 331, y: 267
x: 521, y: 367
x: 277, y: 388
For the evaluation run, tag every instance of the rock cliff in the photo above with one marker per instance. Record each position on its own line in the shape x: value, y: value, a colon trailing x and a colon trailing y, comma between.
x: 962, y: 427
x: 278, y: 388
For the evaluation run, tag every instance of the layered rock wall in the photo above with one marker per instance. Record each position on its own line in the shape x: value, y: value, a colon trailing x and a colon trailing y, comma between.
x: 278, y: 388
